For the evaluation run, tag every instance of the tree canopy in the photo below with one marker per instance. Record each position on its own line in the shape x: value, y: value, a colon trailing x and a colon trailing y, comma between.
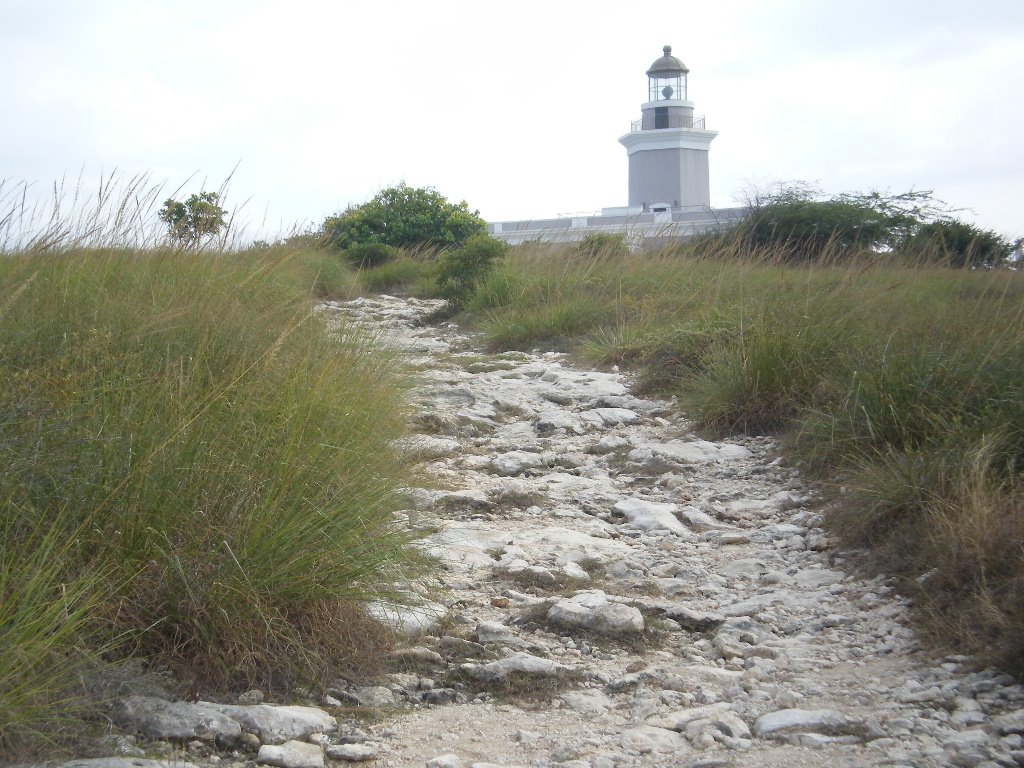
x: 801, y: 221
x: 402, y: 217
x: 197, y: 219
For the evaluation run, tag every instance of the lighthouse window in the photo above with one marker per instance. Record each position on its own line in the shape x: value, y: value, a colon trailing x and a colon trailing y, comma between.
x: 661, y: 117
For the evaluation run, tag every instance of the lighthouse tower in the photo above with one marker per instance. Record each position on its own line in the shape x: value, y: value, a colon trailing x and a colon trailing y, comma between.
x: 668, y: 146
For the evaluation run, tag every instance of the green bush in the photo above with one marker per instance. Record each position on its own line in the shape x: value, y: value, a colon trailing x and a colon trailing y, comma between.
x: 802, y: 225
x: 603, y: 244
x: 957, y: 244
x: 404, y: 217
x: 460, y: 271
x: 366, y: 255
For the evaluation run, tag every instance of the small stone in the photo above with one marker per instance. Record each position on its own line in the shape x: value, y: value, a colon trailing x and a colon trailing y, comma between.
x: 291, y: 754
x: 444, y: 761
x: 375, y: 696
x: 646, y: 739
x: 786, y: 721
x: 516, y: 665
x: 593, y: 610
x: 352, y: 753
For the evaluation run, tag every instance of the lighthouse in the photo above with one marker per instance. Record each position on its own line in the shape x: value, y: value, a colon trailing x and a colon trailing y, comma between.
x: 668, y: 146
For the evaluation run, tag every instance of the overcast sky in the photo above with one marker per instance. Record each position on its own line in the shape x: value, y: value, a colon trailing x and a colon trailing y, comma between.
x: 514, y: 107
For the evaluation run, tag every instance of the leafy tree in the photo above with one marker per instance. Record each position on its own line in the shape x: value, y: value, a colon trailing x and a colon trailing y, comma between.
x: 460, y: 271
x: 958, y: 244
x: 197, y: 219
x: 801, y: 220
x: 404, y: 216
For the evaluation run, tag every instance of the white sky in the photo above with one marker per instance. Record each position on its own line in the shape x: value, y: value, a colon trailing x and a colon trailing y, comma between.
x: 514, y: 107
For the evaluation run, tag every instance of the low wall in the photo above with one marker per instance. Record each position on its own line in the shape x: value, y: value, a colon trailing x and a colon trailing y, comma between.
x: 638, y: 228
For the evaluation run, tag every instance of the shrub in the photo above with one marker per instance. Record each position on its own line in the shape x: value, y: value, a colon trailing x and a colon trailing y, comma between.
x: 603, y: 244
x: 802, y: 224
x: 198, y: 219
x: 404, y: 217
x: 957, y: 244
x: 460, y: 271
x: 366, y: 255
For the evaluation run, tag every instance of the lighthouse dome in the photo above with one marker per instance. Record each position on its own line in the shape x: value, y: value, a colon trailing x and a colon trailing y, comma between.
x: 667, y: 66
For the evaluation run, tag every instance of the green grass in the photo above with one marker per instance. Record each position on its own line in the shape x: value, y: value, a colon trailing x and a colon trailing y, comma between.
x: 197, y: 473
x: 904, y: 384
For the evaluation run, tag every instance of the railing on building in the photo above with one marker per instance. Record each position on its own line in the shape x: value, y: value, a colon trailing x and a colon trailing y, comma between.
x: 688, y: 124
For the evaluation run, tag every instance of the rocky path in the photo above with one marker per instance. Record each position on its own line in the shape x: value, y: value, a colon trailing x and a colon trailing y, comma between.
x: 617, y: 593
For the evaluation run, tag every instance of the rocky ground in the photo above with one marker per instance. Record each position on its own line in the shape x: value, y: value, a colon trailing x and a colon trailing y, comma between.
x: 614, y: 593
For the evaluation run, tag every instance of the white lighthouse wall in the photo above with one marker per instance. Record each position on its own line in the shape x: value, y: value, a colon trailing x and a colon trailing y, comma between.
x: 669, y: 176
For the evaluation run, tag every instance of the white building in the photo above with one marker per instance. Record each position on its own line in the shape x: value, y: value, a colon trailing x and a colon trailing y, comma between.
x: 669, y: 174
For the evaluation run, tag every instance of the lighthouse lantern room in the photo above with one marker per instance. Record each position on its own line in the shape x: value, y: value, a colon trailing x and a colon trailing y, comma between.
x: 668, y: 147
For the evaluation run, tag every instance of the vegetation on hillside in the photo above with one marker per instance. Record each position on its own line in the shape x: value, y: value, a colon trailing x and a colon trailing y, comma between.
x: 197, y: 477
x: 897, y: 385
x: 801, y: 225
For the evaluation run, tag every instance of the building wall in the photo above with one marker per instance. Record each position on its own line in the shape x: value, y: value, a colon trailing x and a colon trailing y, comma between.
x: 669, y: 175
x: 641, y: 230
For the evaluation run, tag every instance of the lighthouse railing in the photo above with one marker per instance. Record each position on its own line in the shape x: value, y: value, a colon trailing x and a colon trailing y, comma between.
x: 688, y: 124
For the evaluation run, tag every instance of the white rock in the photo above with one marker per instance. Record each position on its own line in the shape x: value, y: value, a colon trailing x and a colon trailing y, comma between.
x: 516, y: 462
x: 587, y: 702
x: 615, y: 416
x: 699, y: 521
x: 444, y: 761
x: 516, y: 665
x: 647, y: 739
x: 575, y: 571
x: 160, y: 719
x: 678, y: 720
x: 496, y: 632
x: 352, y: 753
x: 698, y: 451
x: 276, y: 725
x: 593, y: 610
x: 375, y: 696
x: 652, y: 516
x: 786, y: 721
x: 291, y: 754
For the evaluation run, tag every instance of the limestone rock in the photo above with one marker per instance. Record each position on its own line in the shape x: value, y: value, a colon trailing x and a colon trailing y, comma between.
x: 648, y: 738
x: 353, y: 753
x: 276, y: 725
x: 291, y: 754
x: 516, y: 665
x: 652, y: 516
x: 594, y: 611
x: 160, y: 719
x: 786, y: 721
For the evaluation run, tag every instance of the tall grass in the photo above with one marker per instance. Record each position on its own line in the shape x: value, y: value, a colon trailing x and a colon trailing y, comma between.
x: 902, y: 383
x: 197, y: 474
